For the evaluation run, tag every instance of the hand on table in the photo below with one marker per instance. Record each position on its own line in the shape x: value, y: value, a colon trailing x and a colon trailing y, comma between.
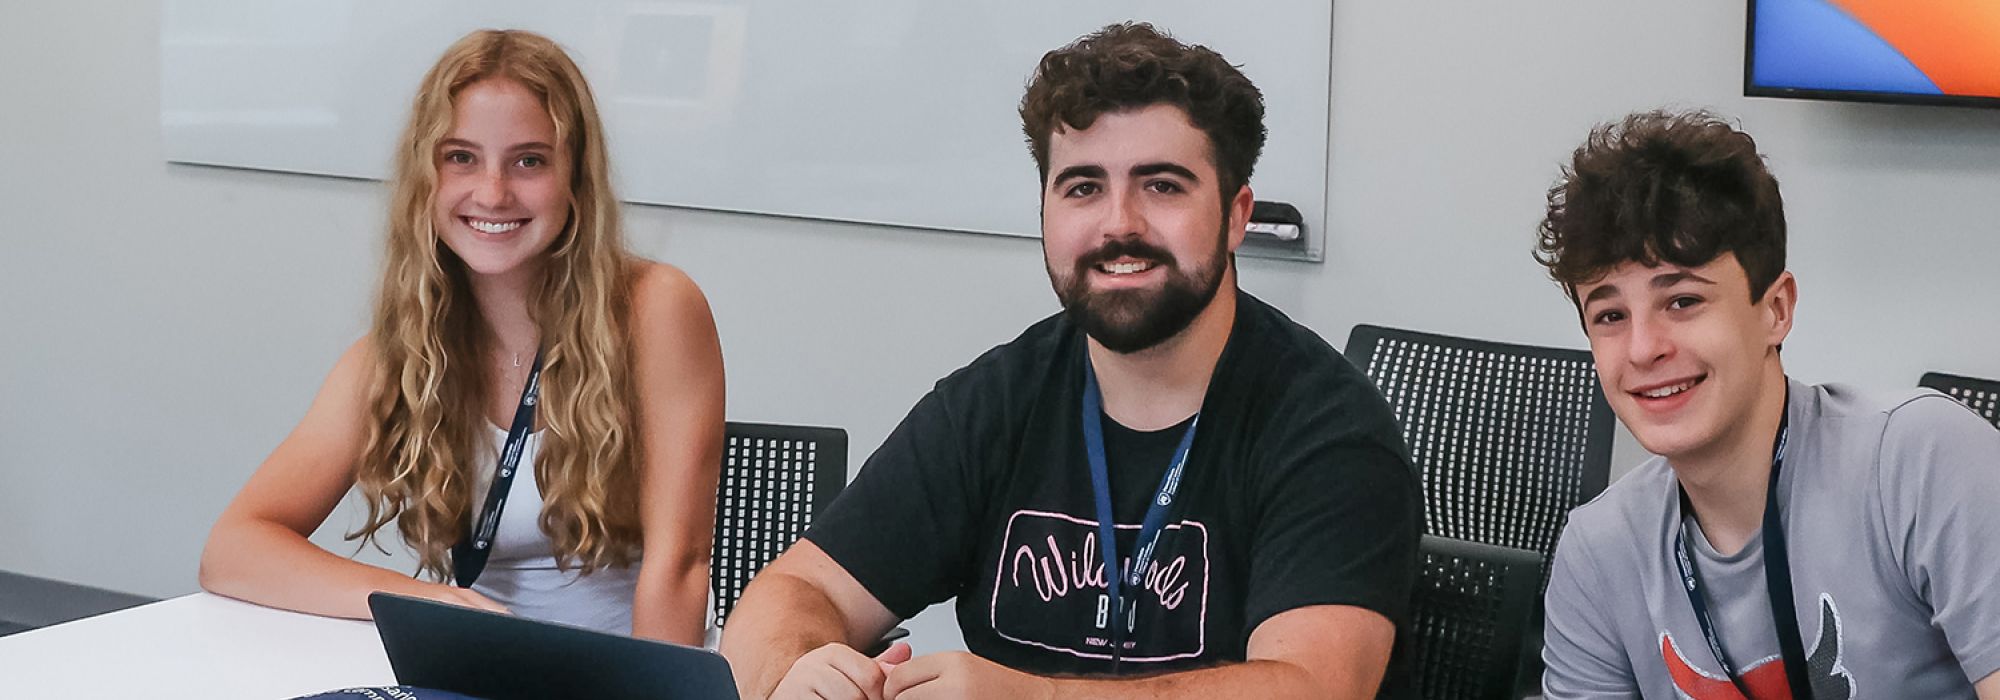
x: 462, y: 597
x: 958, y: 674
x: 838, y: 672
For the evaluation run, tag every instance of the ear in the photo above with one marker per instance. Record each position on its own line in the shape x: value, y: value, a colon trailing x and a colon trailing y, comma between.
x: 1777, y: 305
x: 1239, y: 216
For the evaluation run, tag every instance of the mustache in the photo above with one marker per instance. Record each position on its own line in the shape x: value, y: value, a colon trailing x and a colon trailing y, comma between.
x: 1125, y: 248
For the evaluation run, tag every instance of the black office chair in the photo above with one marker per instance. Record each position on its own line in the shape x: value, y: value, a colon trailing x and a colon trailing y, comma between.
x: 1473, y: 608
x: 1983, y: 395
x: 775, y: 478
x: 1509, y: 438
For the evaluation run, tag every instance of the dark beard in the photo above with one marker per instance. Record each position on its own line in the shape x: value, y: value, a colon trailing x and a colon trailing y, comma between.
x: 1126, y: 321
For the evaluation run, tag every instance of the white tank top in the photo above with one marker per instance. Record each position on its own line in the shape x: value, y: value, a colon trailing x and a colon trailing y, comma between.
x: 521, y: 573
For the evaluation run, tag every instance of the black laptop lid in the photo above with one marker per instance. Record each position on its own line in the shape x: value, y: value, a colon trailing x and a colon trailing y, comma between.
x: 502, y: 657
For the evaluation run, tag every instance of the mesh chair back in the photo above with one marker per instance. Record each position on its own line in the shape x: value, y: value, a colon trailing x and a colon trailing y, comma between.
x: 1474, y: 605
x: 1510, y: 438
x: 1983, y: 395
x: 775, y: 478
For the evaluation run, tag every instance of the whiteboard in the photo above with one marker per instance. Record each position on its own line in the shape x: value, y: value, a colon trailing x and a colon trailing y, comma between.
x: 899, y: 112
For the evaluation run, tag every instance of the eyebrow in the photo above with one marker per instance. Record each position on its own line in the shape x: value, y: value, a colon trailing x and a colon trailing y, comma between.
x: 1168, y: 168
x: 1077, y: 171
x: 1608, y: 291
x: 1669, y: 279
x: 1141, y: 170
x: 1659, y: 281
x: 529, y: 146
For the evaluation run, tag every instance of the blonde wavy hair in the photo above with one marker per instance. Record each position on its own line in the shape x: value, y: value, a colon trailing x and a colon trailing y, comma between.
x: 426, y: 426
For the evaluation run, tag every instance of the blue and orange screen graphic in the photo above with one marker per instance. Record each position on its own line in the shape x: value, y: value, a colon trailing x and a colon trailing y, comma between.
x: 1911, y: 47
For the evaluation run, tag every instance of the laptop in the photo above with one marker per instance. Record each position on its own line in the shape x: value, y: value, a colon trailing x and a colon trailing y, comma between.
x: 502, y: 657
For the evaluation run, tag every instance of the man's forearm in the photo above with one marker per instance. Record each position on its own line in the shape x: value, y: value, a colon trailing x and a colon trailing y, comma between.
x: 1259, y: 678
x: 790, y: 618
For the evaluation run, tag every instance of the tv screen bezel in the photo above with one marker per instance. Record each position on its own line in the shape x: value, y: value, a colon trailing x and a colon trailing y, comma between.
x: 1752, y: 89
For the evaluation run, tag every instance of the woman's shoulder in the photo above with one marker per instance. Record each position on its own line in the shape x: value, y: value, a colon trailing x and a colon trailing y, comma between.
x: 357, y: 369
x: 358, y: 360
x: 664, y: 298
x: 654, y: 283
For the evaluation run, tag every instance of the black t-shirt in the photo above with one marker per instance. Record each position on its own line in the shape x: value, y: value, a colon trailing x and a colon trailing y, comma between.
x: 1298, y: 491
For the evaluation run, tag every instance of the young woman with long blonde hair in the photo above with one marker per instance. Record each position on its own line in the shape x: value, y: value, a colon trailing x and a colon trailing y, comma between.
x: 507, y: 299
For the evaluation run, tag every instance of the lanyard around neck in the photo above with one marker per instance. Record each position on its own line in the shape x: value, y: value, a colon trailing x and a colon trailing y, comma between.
x: 1121, y: 615
x: 468, y: 557
x: 1777, y: 579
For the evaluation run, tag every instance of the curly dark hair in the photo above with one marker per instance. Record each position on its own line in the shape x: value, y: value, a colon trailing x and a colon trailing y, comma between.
x: 1678, y: 187
x: 1128, y: 66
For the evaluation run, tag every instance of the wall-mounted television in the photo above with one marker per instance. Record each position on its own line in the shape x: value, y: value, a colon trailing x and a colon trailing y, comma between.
x: 1909, y: 51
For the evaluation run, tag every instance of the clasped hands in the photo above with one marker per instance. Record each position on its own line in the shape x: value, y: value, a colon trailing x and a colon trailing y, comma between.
x: 839, y: 672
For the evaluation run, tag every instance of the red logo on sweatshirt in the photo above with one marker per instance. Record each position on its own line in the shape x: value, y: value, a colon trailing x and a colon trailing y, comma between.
x: 1766, y: 677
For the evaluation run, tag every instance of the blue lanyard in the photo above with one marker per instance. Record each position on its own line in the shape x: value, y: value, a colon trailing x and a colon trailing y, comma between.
x: 1777, y: 579
x: 468, y: 557
x: 1150, y: 530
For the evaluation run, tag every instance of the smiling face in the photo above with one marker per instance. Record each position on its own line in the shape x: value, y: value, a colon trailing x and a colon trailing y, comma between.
x: 1685, y: 356
x: 503, y: 181
x: 1134, y: 232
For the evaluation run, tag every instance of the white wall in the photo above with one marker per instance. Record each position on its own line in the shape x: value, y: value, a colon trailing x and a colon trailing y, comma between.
x: 164, y: 326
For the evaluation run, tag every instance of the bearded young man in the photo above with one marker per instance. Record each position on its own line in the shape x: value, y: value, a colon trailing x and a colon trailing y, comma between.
x: 1249, y: 484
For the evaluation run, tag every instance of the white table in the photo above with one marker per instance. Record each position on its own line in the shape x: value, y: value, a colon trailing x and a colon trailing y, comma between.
x: 200, y: 645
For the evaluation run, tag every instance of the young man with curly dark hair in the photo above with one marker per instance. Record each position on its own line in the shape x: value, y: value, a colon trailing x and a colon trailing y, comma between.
x: 1790, y: 540
x: 1168, y: 490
